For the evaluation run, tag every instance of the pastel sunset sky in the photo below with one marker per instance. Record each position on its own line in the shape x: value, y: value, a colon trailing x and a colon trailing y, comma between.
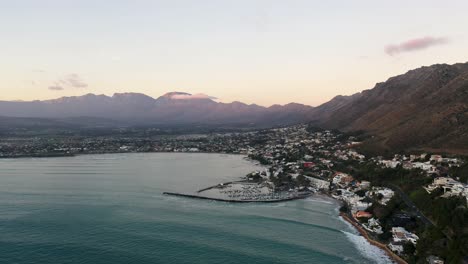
x: 254, y: 51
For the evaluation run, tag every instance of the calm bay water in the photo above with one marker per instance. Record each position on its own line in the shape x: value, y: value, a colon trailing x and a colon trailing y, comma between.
x: 110, y: 209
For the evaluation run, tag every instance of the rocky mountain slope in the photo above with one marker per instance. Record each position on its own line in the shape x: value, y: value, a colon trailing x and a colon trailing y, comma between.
x: 425, y: 108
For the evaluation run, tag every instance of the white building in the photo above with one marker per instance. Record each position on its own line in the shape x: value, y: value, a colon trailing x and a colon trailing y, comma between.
x: 397, y: 248
x: 386, y: 193
x: 400, y: 234
x: 373, y: 225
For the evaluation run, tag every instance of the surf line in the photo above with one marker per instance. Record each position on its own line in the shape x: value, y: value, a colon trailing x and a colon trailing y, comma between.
x: 390, y: 253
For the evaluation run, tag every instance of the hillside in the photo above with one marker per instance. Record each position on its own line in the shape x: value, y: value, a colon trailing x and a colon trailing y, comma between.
x: 425, y: 108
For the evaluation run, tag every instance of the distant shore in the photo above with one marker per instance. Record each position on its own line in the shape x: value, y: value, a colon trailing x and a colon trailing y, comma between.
x: 363, y: 232
x: 59, y: 155
x: 48, y: 155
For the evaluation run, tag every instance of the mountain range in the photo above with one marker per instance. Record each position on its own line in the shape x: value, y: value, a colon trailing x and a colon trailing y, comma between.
x: 172, y: 108
x: 425, y: 108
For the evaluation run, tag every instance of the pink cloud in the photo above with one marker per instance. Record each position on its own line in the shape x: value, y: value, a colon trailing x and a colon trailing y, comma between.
x: 192, y: 96
x: 414, y: 45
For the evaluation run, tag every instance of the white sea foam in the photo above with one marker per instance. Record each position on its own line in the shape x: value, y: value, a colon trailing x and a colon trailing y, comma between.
x: 369, y: 251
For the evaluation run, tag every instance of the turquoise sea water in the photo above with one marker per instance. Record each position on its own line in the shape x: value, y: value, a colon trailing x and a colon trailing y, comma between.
x: 110, y: 209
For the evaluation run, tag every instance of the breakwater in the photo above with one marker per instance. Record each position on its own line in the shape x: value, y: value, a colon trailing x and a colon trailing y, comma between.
x: 301, y: 196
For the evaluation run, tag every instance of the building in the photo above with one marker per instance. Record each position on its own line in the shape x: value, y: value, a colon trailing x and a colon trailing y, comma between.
x: 434, y: 260
x: 400, y: 234
x: 436, y: 158
x: 373, y: 225
x: 364, y: 184
x: 385, y: 193
x: 308, y: 164
x: 342, y: 179
x: 396, y: 247
x: 362, y: 214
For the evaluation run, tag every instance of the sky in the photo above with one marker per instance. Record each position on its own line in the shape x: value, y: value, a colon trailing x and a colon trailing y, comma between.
x: 255, y: 51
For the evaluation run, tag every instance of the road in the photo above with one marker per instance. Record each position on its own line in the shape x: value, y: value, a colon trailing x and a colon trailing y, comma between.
x: 411, y: 205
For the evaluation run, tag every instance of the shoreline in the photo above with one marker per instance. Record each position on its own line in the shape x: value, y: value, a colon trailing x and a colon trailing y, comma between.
x: 363, y: 233
x: 383, y: 247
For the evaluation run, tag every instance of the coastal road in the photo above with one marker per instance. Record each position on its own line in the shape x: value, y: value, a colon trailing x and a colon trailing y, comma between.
x: 411, y: 205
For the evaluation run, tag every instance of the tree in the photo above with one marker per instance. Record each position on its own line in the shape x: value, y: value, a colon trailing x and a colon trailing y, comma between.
x: 361, y: 193
x: 409, y: 249
x: 301, y: 180
x: 344, y: 208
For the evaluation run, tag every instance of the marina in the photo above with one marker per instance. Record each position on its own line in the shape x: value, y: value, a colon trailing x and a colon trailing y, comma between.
x: 245, y: 192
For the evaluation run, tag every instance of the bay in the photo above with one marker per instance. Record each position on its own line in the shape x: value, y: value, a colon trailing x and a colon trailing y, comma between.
x: 110, y: 209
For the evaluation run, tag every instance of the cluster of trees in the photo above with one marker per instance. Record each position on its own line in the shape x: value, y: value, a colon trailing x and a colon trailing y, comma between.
x: 460, y: 172
x: 285, y: 181
x: 449, y: 238
x: 282, y: 180
x: 255, y: 176
x: 301, y: 180
x: 260, y: 158
x: 407, y: 180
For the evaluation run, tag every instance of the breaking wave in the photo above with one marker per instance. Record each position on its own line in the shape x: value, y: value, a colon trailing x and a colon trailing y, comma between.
x: 369, y: 251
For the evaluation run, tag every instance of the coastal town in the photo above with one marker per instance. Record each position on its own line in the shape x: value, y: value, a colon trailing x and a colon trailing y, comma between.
x: 414, y: 206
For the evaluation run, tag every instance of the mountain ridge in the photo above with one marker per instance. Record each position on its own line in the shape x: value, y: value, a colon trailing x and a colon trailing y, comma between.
x: 170, y: 108
x: 424, y: 108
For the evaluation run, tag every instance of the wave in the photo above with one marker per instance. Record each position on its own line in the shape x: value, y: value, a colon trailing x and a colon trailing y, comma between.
x: 369, y: 251
x: 320, y: 212
x: 288, y: 221
x: 318, y: 200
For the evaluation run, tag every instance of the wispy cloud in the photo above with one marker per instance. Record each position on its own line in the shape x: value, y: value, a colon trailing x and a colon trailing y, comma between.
x: 73, y: 80
x: 414, y: 45
x: 192, y: 96
x: 56, y: 88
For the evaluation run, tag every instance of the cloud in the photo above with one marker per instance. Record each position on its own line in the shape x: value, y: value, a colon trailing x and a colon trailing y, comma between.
x: 55, y: 88
x: 73, y: 80
x: 414, y: 45
x: 192, y: 96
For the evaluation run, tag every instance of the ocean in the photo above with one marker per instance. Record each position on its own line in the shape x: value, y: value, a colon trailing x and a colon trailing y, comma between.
x: 110, y: 209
